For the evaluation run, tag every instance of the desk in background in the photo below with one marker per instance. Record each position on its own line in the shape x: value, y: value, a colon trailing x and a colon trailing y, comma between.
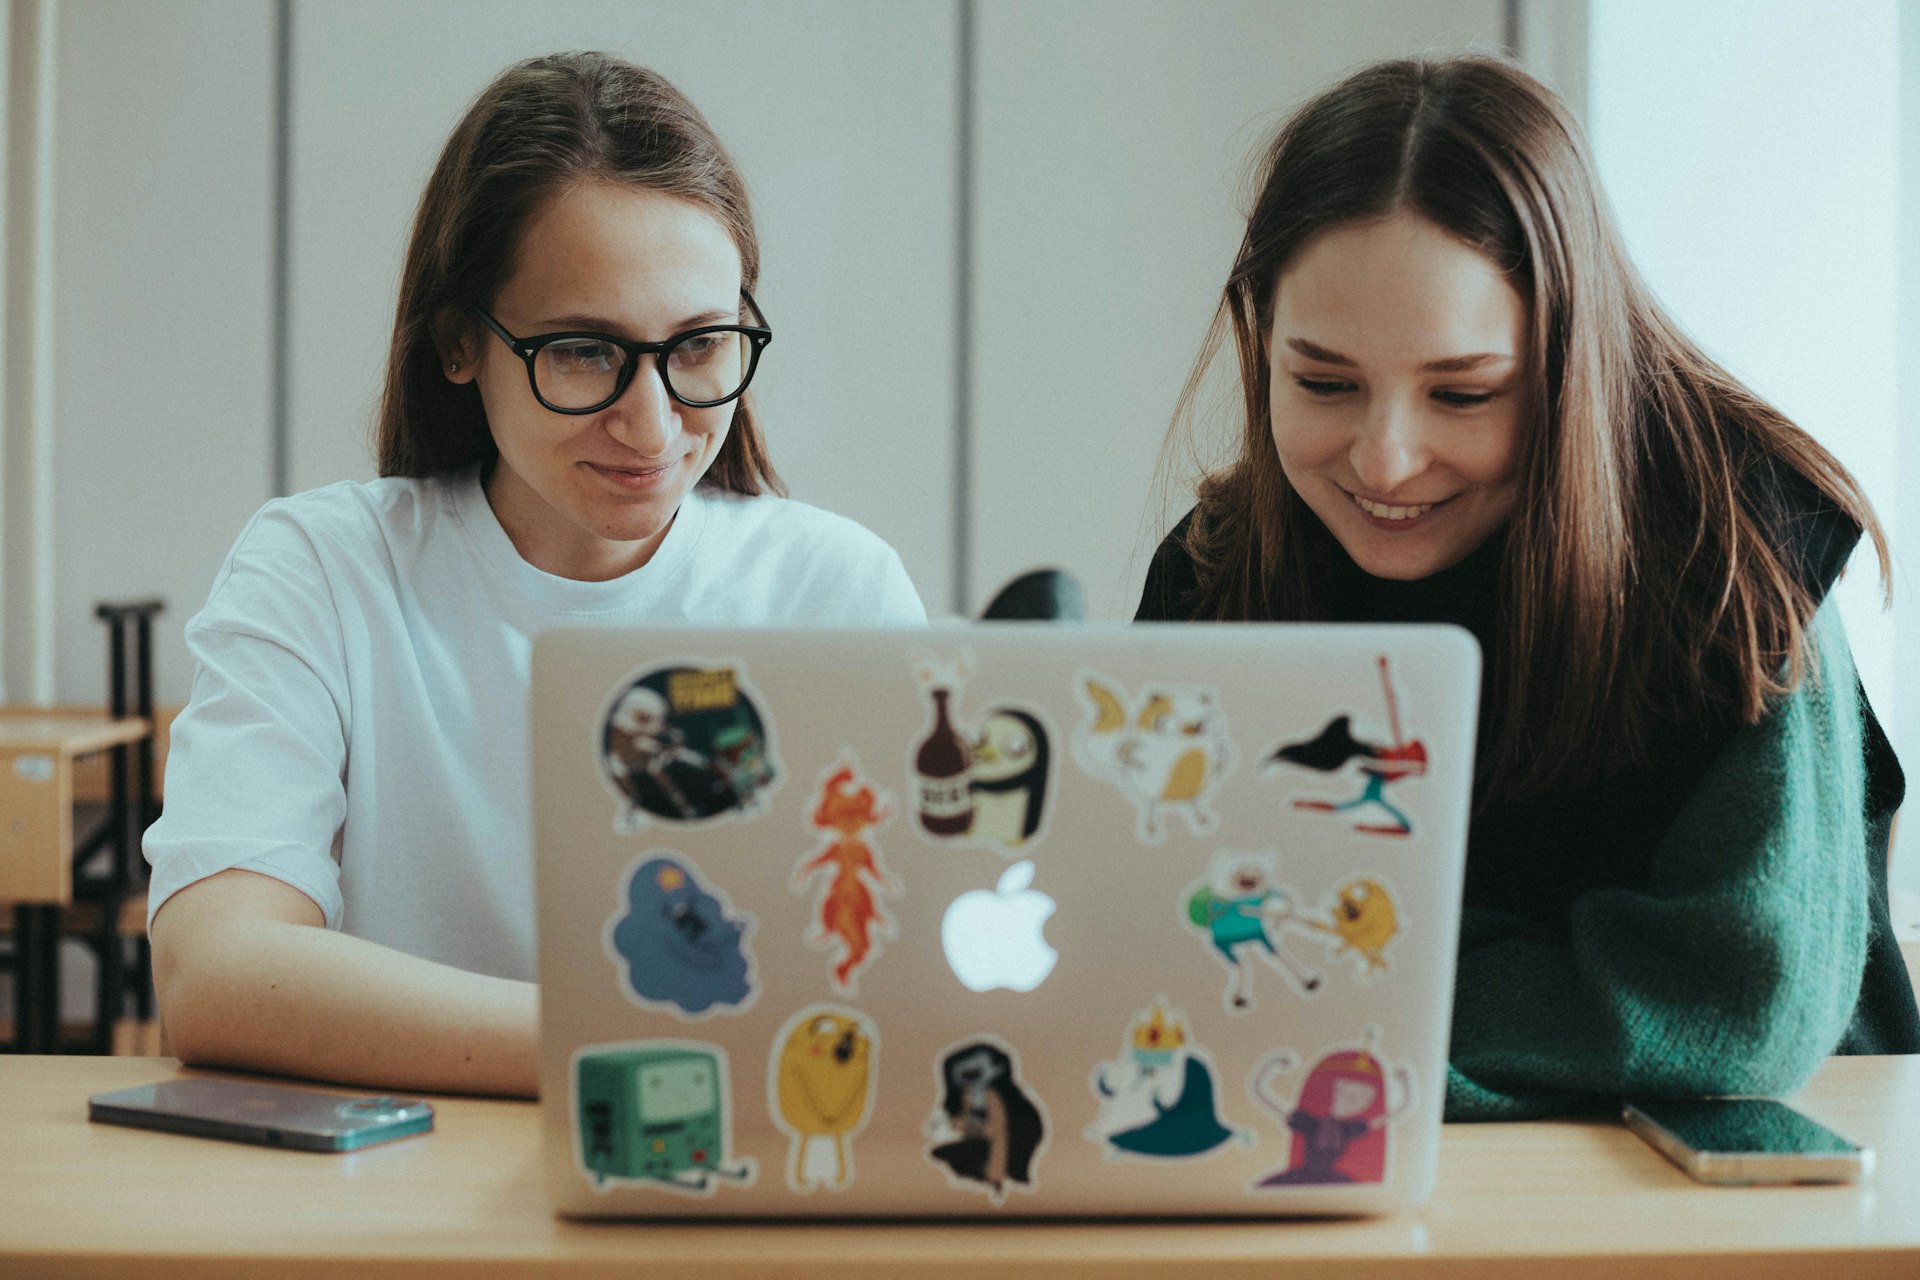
x: 1563, y: 1200
x: 39, y: 752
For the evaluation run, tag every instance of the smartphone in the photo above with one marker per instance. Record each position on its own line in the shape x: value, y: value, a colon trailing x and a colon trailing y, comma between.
x: 271, y: 1115
x: 1743, y: 1141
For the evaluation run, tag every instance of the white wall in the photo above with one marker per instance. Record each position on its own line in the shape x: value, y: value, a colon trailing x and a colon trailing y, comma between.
x: 1113, y: 144
x: 1750, y: 151
x: 160, y: 341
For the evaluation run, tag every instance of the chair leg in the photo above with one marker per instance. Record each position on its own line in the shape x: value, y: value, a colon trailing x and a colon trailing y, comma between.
x: 142, y: 979
x: 112, y: 987
x: 36, y: 979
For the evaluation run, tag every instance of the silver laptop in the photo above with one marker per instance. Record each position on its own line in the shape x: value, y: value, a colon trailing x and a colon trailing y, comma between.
x: 998, y: 920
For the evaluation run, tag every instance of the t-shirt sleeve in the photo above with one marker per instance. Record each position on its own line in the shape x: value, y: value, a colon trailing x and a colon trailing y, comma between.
x: 257, y: 760
x: 1738, y: 966
x: 896, y: 600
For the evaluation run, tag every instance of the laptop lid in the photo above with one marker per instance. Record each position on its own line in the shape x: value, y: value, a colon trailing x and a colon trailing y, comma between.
x: 1003, y: 920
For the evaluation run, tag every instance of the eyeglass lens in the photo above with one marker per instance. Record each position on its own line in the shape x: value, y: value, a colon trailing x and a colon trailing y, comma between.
x: 581, y: 373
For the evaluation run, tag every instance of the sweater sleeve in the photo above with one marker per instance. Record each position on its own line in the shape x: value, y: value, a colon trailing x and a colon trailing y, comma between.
x: 1735, y: 970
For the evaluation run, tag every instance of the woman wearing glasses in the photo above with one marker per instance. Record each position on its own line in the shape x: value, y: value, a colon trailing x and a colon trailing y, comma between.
x: 1461, y: 405
x: 342, y: 881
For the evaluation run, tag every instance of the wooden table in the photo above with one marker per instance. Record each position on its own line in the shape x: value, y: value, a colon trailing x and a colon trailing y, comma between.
x: 1563, y: 1200
x: 37, y: 755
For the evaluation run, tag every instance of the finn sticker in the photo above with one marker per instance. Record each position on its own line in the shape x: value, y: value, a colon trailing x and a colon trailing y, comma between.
x: 988, y: 1131
x: 1159, y: 1099
x: 1164, y: 746
x: 686, y: 743
x: 848, y: 919
x: 1360, y: 922
x: 984, y: 782
x: 1241, y: 911
x: 679, y: 945
x: 655, y: 1113
x: 1339, y: 1117
x: 1372, y: 766
x: 820, y: 1087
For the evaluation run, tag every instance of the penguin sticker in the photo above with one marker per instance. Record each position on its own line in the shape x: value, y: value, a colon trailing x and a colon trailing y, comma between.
x: 1009, y: 782
x: 986, y: 784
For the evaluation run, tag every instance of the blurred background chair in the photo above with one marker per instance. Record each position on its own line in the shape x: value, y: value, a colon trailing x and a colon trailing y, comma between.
x: 1039, y: 595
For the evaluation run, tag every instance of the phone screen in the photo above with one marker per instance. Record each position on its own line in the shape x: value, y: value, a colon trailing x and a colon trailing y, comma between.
x: 1744, y: 1126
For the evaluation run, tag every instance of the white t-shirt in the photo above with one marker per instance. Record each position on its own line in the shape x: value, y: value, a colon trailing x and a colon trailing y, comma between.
x: 358, y: 723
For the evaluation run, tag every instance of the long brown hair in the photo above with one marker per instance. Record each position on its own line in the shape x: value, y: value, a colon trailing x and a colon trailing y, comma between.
x: 542, y: 126
x: 1644, y: 581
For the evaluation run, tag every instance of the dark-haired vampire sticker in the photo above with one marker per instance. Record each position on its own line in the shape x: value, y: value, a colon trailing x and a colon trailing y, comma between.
x: 848, y: 917
x: 683, y: 744
x: 655, y: 1113
x: 1378, y: 764
x: 1158, y: 1099
x: 985, y: 783
x: 679, y: 945
x: 1339, y: 1119
x: 1165, y: 747
x: 987, y: 1131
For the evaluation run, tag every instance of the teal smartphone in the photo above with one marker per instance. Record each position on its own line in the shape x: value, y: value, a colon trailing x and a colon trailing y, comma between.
x: 1746, y: 1141
x: 267, y: 1114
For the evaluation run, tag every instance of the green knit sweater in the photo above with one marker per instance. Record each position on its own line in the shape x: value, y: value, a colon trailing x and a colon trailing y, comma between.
x: 1735, y: 968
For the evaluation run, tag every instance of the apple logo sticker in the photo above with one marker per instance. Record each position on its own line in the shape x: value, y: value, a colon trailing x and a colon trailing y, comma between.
x: 992, y: 937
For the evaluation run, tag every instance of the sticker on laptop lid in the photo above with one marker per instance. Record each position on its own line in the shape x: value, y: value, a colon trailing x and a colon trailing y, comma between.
x: 1360, y: 922
x: 685, y: 743
x: 988, y: 1130
x: 1165, y: 747
x: 655, y: 1114
x: 1159, y: 1099
x: 820, y: 1085
x: 986, y: 783
x: 848, y: 918
x: 1369, y: 764
x: 1241, y: 910
x: 679, y: 945
x: 1339, y: 1118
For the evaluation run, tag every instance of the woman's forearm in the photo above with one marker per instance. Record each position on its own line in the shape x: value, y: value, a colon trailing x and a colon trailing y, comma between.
x: 295, y: 999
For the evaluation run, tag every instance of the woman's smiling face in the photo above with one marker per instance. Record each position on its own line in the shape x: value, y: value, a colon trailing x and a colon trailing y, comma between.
x: 1398, y: 360
x: 591, y: 496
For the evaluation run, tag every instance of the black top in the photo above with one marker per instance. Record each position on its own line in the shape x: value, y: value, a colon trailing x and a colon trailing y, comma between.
x: 1605, y: 832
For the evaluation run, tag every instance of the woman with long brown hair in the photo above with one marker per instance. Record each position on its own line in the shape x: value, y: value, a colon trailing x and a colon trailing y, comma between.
x: 1461, y: 404
x: 342, y: 881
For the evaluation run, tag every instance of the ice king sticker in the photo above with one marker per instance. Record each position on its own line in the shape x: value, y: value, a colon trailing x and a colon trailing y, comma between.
x: 1158, y: 1099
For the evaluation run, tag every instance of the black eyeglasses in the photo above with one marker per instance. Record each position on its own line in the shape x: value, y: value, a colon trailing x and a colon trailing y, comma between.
x: 586, y: 372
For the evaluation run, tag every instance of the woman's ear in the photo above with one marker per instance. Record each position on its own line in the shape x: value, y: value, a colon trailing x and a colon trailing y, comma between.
x: 453, y: 338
